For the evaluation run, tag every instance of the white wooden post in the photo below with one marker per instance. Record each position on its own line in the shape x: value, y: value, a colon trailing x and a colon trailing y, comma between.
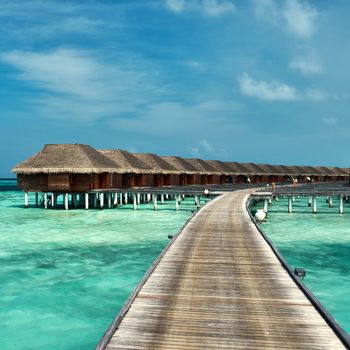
x: 109, y: 198
x: 155, y: 201
x: 135, y: 202
x: 341, y: 204
x: 309, y: 202
x: 148, y: 197
x: 162, y: 198
x: 330, y: 202
x: 115, y: 201
x: 121, y: 198
x: 198, y: 201
x: 45, y: 200
x: 66, y: 201
x: 270, y: 200
x: 177, y: 202
x: 102, y: 200
x: 314, y: 205
x: 26, y: 199
x: 125, y: 198
x: 86, y: 201
x: 138, y: 197
x: 293, y: 199
x: 290, y: 206
x: 53, y: 200
x: 266, y: 205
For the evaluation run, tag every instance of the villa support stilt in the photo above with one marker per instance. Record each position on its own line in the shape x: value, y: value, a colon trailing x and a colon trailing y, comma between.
x: 341, y: 204
x: 26, y: 199
x: 290, y: 205
x: 66, y: 205
x: 86, y: 201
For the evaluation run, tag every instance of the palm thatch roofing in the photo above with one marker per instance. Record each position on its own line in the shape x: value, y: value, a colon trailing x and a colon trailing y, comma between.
x: 127, y: 162
x: 220, y: 167
x: 340, y: 171
x: 157, y: 163
x: 201, y: 165
x: 253, y: 169
x: 66, y: 158
x: 181, y: 165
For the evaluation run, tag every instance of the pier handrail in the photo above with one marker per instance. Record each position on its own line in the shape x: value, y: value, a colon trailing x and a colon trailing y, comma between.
x: 335, y: 326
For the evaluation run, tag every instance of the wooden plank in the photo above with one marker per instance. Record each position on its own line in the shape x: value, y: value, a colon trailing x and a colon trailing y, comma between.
x: 220, y: 286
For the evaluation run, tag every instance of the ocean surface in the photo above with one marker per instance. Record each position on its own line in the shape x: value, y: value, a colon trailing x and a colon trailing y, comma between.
x: 66, y: 274
x: 319, y: 243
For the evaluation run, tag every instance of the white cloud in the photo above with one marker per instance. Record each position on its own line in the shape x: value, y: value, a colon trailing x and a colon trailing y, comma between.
x: 208, y: 8
x: 300, y: 18
x: 297, y: 16
x: 270, y: 91
x: 76, y: 84
x: 169, y: 118
x: 315, y: 95
x: 307, y: 65
x: 176, y: 6
x: 207, y: 146
x: 330, y: 120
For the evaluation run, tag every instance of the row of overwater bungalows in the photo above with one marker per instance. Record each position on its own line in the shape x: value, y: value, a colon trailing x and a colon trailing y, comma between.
x: 81, y: 168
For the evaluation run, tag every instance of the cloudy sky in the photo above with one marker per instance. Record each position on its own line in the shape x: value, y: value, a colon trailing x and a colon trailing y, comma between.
x: 262, y: 81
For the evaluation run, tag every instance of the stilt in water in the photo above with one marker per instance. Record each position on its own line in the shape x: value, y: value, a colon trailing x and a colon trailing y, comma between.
x: 265, y: 205
x: 102, y: 199
x: 290, y: 206
x: 138, y: 198
x: 309, y: 202
x: 36, y: 199
x: 53, y: 200
x: 341, y: 206
x: 66, y: 205
x: 45, y: 200
x: 134, y: 201
x: 330, y: 202
x: 198, y: 202
x: 26, y: 199
x: 121, y: 198
x: 125, y: 198
x: 177, y: 202
x: 270, y: 200
x: 155, y: 202
x: 293, y: 199
x: 109, y: 199
x: 86, y: 201
x: 162, y: 198
x: 314, y: 205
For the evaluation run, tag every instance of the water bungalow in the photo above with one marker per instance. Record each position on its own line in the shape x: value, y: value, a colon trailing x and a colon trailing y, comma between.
x: 188, y: 174
x: 78, y: 170
x: 164, y: 173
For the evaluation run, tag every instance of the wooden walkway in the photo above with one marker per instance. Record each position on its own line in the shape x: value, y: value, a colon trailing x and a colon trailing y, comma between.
x: 220, y: 286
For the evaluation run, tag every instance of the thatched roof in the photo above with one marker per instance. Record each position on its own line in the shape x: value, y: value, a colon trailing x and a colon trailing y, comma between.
x: 220, y: 167
x: 127, y: 162
x: 340, y: 171
x: 66, y: 158
x: 158, y: 164
x: 202, y: 166
x: 181, y: 165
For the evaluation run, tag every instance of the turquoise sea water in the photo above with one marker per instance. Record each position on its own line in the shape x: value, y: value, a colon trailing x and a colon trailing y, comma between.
x: 65, y: 274
x: 319, y: 243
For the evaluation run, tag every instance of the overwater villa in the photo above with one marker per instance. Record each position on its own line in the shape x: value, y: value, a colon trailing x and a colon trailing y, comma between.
x: 80, y: 170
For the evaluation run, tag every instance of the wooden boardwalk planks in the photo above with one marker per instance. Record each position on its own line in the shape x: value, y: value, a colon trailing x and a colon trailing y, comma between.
x: 220, y: 286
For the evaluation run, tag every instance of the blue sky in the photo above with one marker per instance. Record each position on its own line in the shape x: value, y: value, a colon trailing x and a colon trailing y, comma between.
x: 262, y: 81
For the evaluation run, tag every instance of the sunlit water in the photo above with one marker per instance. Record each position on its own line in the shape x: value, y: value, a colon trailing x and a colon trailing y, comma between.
x: 65, y: 274
x: 319, y: 243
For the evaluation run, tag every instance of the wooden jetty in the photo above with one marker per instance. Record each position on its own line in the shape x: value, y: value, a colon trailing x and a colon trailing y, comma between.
x: 219, y: 285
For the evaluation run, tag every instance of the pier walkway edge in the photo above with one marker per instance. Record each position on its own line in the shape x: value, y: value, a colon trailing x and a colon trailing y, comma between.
x: 220, y: 285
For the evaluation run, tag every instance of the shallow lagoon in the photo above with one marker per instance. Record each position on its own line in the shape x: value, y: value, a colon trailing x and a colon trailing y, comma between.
x: 65, y: 274
x: 319, y: 243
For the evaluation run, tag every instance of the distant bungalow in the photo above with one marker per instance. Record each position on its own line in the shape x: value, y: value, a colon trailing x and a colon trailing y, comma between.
x: 77, y: 168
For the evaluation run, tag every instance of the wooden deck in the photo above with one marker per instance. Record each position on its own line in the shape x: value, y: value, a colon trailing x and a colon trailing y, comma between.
x: 220, y: 286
